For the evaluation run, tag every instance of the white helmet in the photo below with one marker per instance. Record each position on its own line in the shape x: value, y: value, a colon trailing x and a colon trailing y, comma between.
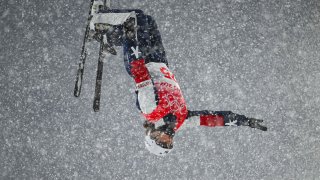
x: 155, y: 148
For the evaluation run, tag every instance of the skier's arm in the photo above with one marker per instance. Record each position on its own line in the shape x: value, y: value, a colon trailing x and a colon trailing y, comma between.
x: 224, y: 118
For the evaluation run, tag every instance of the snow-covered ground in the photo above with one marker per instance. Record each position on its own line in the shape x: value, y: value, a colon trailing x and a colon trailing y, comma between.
x: 257, y: 58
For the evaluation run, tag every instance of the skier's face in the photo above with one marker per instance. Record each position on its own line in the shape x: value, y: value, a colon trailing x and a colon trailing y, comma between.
x: 162, y: 138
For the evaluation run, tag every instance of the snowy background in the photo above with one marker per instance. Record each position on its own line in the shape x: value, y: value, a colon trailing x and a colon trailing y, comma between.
x: 259, y: 58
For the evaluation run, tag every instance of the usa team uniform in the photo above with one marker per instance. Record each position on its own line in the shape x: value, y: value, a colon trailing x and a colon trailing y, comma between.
x: 159, y: 97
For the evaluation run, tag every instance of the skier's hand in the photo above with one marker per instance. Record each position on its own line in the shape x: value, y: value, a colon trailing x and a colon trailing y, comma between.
x: 255, y: 123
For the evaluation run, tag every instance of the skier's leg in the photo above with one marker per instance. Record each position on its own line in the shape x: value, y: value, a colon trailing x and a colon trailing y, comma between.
x: 156, y: 52
x: 148, y: 39
x: 135, y: 48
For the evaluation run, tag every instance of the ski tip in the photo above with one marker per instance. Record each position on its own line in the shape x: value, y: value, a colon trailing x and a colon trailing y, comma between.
x: 96, y: 105
x: 76, y: 94
x: 96, y: 109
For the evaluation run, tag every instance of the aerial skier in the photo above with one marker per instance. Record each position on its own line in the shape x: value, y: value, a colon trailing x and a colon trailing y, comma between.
x: 159, y: 97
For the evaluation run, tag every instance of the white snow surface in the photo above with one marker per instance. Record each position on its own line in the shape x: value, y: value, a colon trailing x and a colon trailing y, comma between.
x: 257, y: 58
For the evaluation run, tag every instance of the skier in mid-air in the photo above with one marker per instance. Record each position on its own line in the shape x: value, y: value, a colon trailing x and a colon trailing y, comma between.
x: 159, y: 97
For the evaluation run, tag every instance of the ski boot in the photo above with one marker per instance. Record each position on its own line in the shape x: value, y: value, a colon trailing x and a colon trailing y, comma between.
x: 103, y: 30
x: 129, y: 28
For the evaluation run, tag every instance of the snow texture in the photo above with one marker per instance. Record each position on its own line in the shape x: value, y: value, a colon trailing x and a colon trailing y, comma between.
x: 259, y: 58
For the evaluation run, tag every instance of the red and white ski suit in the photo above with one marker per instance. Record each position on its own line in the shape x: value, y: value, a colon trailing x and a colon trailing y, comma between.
x: 158, y: 92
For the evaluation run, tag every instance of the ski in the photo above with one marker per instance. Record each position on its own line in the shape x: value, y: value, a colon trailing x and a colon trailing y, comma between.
x: 97, y: 93
x: 83, y: 56
x: 96, y: 29
x: 103, y: 43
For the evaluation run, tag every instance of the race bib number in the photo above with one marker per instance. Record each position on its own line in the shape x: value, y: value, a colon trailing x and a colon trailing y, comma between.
x: 167, y: 73
x: 160, y: 73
